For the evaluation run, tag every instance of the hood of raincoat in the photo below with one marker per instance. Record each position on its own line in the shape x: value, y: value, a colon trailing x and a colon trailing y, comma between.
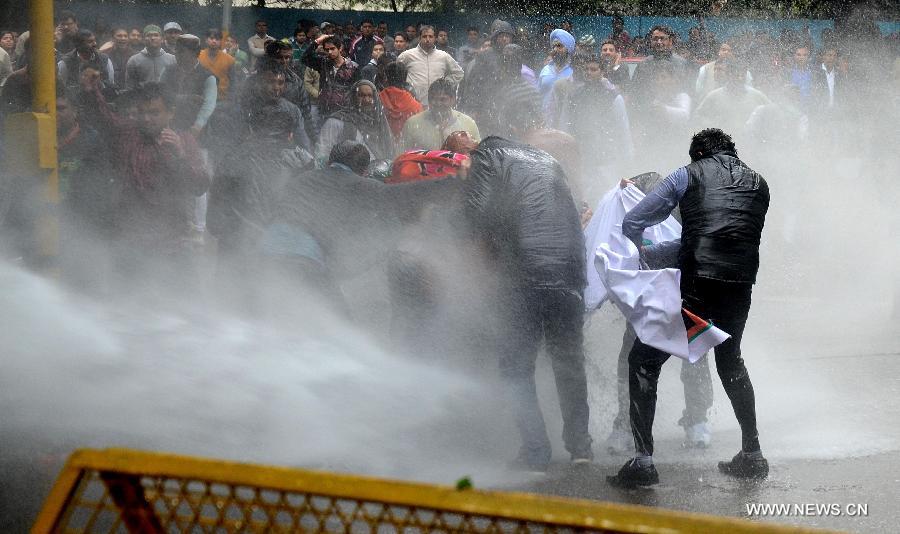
x: 501, y: 26
x: 517, y: 202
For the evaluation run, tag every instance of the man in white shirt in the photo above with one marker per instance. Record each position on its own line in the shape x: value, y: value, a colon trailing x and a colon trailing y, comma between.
x: 706, y: 76
x: 256, y: 44
x: 828, y: 98
x: 731, y: 105
x: 425, y: 64
x: 827, y: 81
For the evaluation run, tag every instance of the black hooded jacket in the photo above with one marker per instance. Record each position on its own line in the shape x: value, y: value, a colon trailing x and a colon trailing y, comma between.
x: 517, y: 202
x: 482, y: 82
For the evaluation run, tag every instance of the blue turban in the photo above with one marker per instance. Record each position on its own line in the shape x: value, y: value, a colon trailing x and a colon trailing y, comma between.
x: 565, y: 38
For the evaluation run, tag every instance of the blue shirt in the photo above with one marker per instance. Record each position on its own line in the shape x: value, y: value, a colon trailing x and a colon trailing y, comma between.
x: 654, y: 209
x: 549, y: 75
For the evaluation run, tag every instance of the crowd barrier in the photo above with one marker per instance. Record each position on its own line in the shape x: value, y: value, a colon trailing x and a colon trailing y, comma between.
x: 119, y: 490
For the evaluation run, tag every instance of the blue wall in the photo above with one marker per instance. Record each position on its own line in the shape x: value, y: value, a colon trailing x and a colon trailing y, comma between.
x: 196, y: 19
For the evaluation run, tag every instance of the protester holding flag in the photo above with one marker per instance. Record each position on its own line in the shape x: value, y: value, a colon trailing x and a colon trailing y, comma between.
x: 723, y: 205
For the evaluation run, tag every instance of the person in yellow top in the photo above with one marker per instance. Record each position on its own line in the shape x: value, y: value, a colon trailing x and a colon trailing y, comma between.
x: 428, y: 130
x: 218, y: 62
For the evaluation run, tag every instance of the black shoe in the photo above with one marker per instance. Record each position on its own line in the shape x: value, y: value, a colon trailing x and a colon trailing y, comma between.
x: 742, y: 466
x: 633, y: 475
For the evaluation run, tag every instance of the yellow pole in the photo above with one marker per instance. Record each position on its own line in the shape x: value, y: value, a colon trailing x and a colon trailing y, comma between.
x: 42, y: 69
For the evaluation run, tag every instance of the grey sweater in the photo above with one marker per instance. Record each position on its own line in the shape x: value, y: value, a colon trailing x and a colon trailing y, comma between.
x: 143, y: 67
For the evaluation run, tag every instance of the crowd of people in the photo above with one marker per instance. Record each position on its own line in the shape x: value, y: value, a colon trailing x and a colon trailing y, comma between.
x: 307, y: 149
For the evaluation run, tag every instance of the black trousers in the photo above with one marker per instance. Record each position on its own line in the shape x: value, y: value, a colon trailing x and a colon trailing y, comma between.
x: 695, y: 377
x: 727, y: 305
x: 555, y: 317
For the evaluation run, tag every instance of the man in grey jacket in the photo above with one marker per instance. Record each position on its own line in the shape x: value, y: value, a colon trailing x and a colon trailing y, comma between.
x: 149, y: 64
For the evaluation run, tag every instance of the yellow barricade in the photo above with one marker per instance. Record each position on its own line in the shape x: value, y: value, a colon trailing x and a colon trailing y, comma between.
x: 119, y: 490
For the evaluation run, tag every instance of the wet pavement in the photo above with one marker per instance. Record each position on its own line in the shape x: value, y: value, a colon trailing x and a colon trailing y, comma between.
x: 828, y: 404
x: 865, y: 490
x: 828, y: 407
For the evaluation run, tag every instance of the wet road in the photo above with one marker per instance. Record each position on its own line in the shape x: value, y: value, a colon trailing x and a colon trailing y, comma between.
x: 828, y: 406
x: 828, y: 403
x: 690, y: 482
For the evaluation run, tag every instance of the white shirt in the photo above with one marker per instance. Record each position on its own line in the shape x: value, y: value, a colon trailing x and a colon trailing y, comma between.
x: 423, y: 68
x: 829, y: 77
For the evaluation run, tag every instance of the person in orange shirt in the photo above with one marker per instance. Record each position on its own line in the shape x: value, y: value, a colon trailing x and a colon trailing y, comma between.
x: 218, y: 62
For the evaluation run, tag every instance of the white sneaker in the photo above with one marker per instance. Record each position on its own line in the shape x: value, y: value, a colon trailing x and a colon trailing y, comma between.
x: 620, y: 442
x: 697, y: 436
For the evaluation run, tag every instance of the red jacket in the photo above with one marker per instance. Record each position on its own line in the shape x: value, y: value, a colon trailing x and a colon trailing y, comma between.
x: 399, y: 105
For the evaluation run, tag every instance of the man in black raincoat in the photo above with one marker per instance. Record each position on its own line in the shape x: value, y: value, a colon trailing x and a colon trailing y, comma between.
x: 723, y: 206
x: 519, y: 206
x: 484, y: 81
x: 250, y: 176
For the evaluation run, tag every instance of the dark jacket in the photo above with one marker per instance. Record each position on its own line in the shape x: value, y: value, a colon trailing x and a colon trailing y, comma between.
x: 248, y: 183
x: 518, y: 203
x: 482, y: 84
x: 119, y: 60
x: 644, y: 78
x: 722, y: 212
x: 188, y: 88
x: 85, y: 179
x: 361, y: 48
x: 355, y: 220
x: 334, y: 87
x: 819, y: 92
x: 75, y: 64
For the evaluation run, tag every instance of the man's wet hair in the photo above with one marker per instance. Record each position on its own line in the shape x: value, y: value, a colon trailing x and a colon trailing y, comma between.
x: 710, y: 141
x: 402, y: 35
x: 272, y: 65
x: 441, y: 86
x: 81, y: 37
x: 215, y: 33
x: 151, y: 91
x: 335, y: 40
x: 424, y: 27
x: 353, y: 154
x: 663, y: 28
x: 395, y: 74
x: 66, y: 15
x: 610, y: 42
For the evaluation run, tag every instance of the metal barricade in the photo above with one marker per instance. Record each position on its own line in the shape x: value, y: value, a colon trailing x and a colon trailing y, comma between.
x: 119, y: 490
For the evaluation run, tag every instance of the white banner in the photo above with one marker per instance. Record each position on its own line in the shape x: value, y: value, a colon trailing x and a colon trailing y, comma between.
x: 649, y: 299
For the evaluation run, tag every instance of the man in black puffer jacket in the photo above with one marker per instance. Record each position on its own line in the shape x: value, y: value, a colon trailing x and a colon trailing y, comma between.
x: 723, y: 206
x: 519, y: 206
